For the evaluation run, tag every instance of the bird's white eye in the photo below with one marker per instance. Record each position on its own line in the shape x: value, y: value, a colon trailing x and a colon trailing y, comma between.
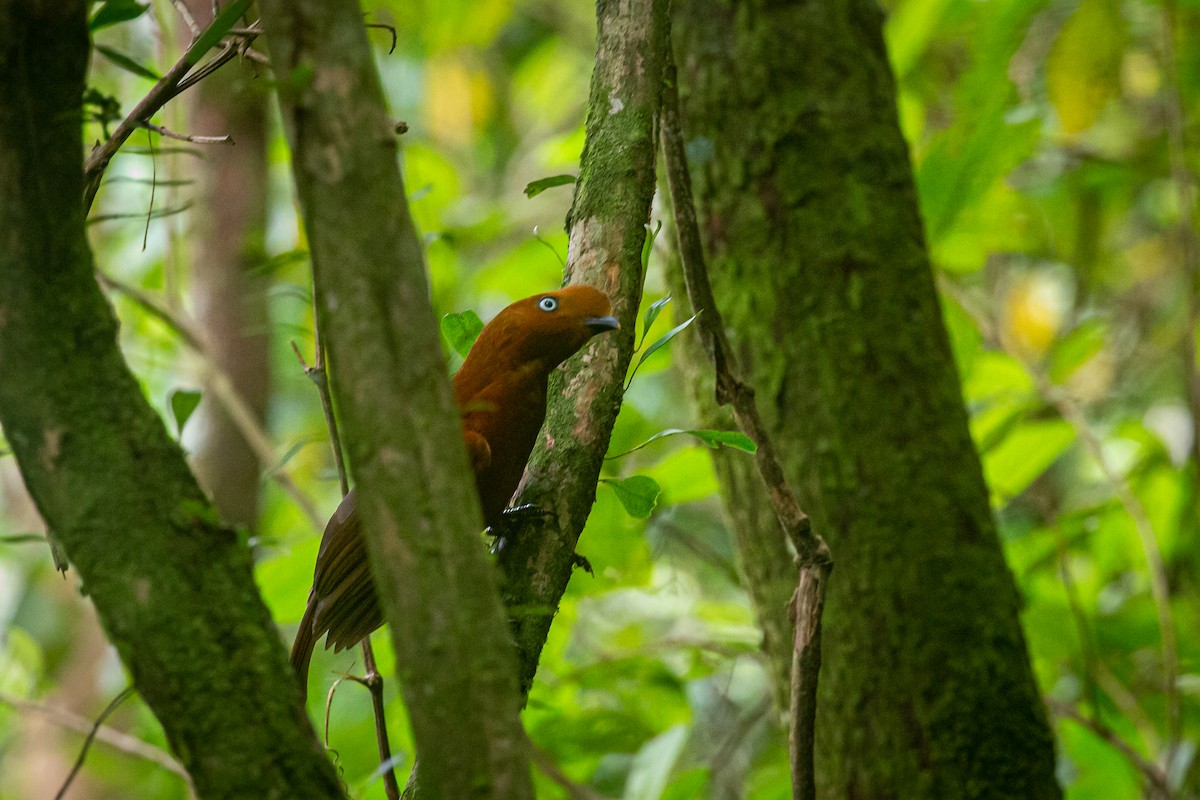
x: 548, y: 304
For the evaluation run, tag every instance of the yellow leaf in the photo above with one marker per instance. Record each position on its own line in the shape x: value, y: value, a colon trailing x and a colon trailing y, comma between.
x: 1083, y: 71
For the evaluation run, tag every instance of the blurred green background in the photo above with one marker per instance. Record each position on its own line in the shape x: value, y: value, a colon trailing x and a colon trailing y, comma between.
x: 1051, y: 142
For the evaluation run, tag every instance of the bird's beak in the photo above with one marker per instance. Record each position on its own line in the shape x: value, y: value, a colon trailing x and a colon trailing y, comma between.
x: 602, y: 324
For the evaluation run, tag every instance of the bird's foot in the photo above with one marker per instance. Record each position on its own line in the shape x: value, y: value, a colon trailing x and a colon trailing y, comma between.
x: 512, y: 520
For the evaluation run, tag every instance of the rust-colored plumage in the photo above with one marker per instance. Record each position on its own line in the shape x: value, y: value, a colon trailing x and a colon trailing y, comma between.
x: 501, y: 392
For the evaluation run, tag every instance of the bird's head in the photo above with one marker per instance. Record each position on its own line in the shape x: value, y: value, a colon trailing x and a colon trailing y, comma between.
x: 546, y: 328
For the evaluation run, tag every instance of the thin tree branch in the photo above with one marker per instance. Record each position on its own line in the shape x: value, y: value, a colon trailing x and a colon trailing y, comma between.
x: 122, y: 742
x: 223, y: 389
x: 813, y: 557
x: 169, y: 86
x: 371, y: 678
x: 184, y: 137
x: 1155, y: 776
x: 87, y: 741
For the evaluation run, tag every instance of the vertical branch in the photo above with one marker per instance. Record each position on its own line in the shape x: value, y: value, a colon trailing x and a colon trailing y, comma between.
x: 607, y: 227
x: 813, y: 556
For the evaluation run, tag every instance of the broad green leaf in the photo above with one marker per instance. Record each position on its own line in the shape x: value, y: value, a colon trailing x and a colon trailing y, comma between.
x: 1028, y: 451
x: 115, y: 11
x: 714, y: 439
x: 126, y: 62
x: 183, y: 402
x: 534, y: 188
x: 651, y: 315
x: 1083, y: 70
x: 461, y: 330
x: 637, y: 493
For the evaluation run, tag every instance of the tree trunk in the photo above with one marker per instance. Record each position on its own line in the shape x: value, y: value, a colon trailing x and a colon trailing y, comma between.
x: 819, y: 264
x: 416, y: 494
x: 173, y: 588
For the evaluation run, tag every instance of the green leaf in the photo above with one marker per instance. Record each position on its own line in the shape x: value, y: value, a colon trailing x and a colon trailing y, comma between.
x: 183, y: 402
x: 659, y: 343
x: 126, y: 62
x: 637, y: 493
x: 713, y: 439
x: 648, y: 245
x: 461, y: 330
x: 654, y: 763
x: 220, y: 26
x: 534, y: 188
x: 1028, y: 451
x: 651, y: 315
x: 115, y: 11
x: 1076, y: 349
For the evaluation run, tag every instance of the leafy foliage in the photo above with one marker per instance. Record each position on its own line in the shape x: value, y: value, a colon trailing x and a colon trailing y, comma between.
x: 1058, y: 219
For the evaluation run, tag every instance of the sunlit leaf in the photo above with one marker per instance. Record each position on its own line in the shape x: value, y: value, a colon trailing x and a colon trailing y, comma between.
x: 1083, y: 71
x: 637, y: 493
x: 461, y: 330
x: 1028, y: 451
x: 661, y: 342
x: 652, y: 231
x: 534, y: 188
x: 126, y: 63
x: 183, y: 402
x: 651, y: 315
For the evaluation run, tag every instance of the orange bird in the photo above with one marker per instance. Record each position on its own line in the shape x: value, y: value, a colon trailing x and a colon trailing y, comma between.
x: 501, y: 392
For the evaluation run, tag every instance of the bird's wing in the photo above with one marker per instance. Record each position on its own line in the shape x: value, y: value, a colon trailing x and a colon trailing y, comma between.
x: 342, y: 593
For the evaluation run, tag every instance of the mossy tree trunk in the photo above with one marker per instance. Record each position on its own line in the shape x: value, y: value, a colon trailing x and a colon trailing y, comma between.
x: 810, y: 217
x: 173, y: 588
x: 420, y: 511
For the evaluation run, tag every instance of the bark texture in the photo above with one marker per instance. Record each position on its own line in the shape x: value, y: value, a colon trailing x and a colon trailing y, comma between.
x: 819, y: 263
x: 607, y: 227
x: 173, y: 588
x: 416, y: 494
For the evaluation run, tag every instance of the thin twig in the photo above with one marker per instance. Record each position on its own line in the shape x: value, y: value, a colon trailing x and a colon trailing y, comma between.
x: 122, y: 742
x: 225, y: 392
x: 371, y: 678
x: 547, y: 766
x: 1153, y: 773
x: 185, y: 137
x: 1184, y: 180
x: 813, y: 557
x: 91, y: 736
x: 176, y: 80
x: 188, y: 19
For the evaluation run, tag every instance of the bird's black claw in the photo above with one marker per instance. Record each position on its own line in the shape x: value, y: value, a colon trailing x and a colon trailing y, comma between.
x: 513, y: 520
x: 579, y: 562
